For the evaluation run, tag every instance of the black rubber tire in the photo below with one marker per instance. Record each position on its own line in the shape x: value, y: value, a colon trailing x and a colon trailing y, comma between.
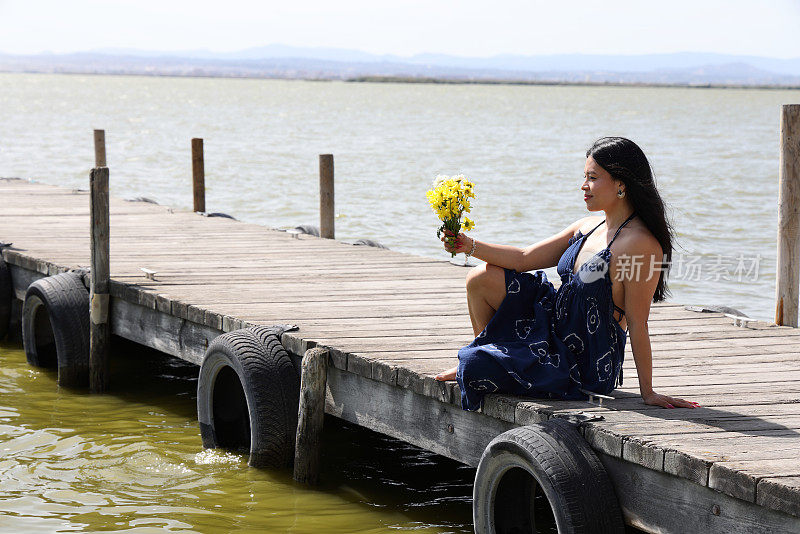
x: 370, y: 243
x: 6, y: 298
x: 308, y: 229
x: 248, y: 393
x: 223, y: 215
x: 55, y: 327
x: 723, y: 309
x: 550, y: 458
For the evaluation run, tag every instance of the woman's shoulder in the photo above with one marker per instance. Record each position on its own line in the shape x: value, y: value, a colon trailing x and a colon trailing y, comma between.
x: 636, y: 238
x: 586, y: 224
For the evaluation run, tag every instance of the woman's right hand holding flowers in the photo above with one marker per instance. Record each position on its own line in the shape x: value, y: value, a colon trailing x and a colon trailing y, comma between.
x: 461, y: 243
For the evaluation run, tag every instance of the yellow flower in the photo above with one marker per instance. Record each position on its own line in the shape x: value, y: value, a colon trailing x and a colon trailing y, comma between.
x: 450, y: 198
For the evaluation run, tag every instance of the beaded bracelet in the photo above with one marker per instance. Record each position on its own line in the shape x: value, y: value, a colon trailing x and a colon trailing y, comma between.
x: 471, y: 252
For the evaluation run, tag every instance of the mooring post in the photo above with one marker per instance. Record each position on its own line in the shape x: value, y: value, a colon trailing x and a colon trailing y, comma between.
x: 326, y: 205
x: 788, y: 276
x: 198, y: 175
x: 310, y: 415
x: 99, y: 332
x: 99, y: 148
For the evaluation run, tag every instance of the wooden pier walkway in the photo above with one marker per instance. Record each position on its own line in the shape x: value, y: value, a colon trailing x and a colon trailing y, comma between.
x: 393, y: 320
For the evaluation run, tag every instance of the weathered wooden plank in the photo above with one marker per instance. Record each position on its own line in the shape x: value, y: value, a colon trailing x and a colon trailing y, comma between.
x: 435, y: 426
x: 659, y: 502
x: 178, y: 337
x: 691, y: 456
x: 311, y: 413
x: 100, y: 334
x: 782, y: 494
x: 740, y: 478
x: 664, y: 376
x: 762, y: 389
x: 644, y: 446
x: 659, y: 352
x: 667, y: 418
x: 21, y: 279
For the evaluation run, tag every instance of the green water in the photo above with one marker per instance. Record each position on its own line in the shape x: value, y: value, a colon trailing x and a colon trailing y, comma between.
x: 132, y: 461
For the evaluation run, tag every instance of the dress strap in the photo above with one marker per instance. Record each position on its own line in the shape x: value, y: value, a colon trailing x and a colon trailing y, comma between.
x: 596, y: 227
x: 620, y: 228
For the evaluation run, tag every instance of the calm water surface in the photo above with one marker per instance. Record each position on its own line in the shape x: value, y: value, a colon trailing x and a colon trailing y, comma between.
x: 715, y: 154
x: 132, y: 461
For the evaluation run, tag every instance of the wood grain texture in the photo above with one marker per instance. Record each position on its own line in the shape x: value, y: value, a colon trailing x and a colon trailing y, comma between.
x: 198, y: 176
x: 659, y: 502
x: 327, y: 209
x: 780, y: 494
x: 788, y: 261
x: 412, y: 417
x: 310, y: 416
x: 99, y: 331
x: 99, y: 148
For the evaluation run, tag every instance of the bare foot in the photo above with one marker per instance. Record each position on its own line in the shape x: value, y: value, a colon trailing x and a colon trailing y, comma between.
x: 450, y: 374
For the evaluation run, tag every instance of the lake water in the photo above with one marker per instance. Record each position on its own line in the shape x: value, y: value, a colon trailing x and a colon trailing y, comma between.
x: 131, y: 461
x: 715, y: 153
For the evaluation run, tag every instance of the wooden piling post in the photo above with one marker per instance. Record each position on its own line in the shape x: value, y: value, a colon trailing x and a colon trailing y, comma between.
x: 99, y: 148
x: 198, y: 175
x: 788, y: 276
x: 99, y: 331
x: 326, y: 204
x: 310, y: 416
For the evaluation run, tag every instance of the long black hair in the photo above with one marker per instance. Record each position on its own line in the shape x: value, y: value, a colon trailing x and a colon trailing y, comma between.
x: 625, y: 161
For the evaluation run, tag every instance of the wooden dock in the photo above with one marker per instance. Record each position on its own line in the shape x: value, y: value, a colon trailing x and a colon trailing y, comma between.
x: 393, y: 320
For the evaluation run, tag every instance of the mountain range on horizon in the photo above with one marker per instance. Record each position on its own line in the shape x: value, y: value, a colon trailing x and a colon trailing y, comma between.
x: 281, y: 61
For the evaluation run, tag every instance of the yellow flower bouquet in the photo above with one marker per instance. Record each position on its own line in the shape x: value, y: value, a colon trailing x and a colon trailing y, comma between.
x: 449, y: 199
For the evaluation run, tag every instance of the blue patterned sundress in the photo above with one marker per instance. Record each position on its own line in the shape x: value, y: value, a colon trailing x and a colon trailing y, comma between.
x: 545, y: 343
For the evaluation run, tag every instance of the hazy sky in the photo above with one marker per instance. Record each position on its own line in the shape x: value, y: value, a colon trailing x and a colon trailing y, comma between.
x: 405, y: 27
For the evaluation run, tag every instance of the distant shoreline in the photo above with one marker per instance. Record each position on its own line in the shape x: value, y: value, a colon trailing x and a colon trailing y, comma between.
x: 448, y: 81
x: 417, y: 80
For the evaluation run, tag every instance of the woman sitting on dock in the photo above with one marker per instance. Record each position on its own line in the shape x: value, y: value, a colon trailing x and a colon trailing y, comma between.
x: 535, y: 341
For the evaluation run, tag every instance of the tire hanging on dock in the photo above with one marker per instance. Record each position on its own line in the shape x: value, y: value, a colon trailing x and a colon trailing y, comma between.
x: 248, y: 393
x: 55, y: 327
x: 551, y: 460
x: 6, y: 297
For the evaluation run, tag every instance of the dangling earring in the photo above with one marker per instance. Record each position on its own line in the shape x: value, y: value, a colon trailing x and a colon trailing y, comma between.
x: 620, y: 193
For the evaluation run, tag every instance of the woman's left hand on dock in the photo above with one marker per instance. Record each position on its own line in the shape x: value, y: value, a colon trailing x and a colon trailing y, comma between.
x: 657, y: 399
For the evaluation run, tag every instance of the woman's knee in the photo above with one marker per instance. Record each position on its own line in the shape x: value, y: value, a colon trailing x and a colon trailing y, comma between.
x: 486, y: 278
